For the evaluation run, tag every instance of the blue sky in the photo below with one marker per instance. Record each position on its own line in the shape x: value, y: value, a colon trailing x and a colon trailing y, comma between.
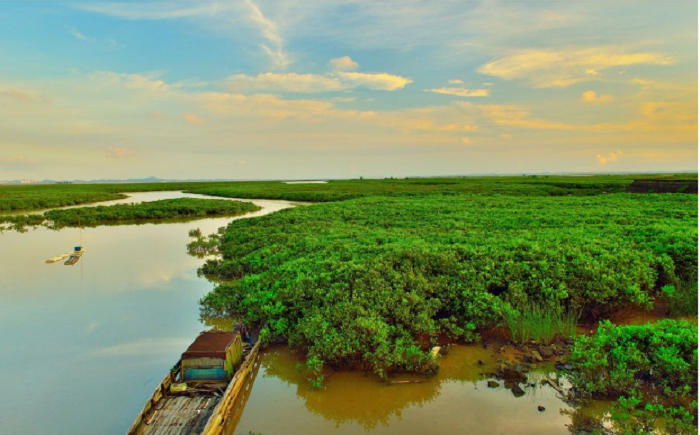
x: 311, y: 89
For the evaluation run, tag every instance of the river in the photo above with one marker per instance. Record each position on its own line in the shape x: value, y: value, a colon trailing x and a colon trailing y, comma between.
x: 84, y: 346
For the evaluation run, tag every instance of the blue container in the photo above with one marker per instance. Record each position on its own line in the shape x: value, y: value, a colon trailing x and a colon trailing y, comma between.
x: 78, y: 248
x: 213, y: 374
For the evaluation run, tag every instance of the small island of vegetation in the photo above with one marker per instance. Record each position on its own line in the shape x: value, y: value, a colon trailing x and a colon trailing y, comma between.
x: 167, y: 209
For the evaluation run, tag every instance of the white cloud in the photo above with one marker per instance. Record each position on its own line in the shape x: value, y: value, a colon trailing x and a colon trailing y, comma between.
x: 455, y: 82
x: 145, y: 81
x: 564, y: 67
x: 79, y: 35
x: 343, y: 63
x: 309, y: 83
x: 154, y: 11
x: 274, y: 47
x: 284, y: 82
x: 376, y: 81
x: 461, y: 92
x: 593, y: 97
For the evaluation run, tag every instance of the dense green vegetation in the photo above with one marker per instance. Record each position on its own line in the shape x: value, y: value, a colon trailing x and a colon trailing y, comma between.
x: 337, y: 190
x: 361, y: 282
x: 651, y: 370
x: 155, y: 210
x: 28, y: 197
x: 181, y: 208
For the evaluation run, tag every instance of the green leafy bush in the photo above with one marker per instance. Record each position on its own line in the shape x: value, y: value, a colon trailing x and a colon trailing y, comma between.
x: 368, y: 282
x: 652, y: 370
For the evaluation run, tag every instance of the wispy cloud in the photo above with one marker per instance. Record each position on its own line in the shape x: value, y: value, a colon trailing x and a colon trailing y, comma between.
x: 22, y: 95
x: 119, y: 152
x: 145, y: 81
x: 284, y: 82
x: 308, y: 83
x: 377, y: 81
x: 274, y: 47
x: 79, y: 35
x: 193, y: 119
x: 514, y: 116
x: 344, y: 63
x: 461, y: 92
x: 544, y: 68
x: 154, y: 11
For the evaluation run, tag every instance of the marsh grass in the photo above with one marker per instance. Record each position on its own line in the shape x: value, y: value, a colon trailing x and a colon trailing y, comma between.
x: 541, y: 324
x: 682, y: 301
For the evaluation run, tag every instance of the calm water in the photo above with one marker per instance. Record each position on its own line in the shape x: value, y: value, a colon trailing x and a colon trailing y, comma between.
x: 456, y: 401
x: 83, y: 347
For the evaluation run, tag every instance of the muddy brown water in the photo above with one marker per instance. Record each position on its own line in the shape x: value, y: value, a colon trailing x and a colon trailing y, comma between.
x: 455, y: 401
x: 83, y: 347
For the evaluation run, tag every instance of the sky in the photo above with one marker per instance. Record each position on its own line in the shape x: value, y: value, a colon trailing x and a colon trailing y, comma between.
x: 250, y: 89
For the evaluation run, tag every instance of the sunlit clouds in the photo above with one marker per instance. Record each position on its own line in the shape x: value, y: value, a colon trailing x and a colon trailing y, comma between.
x: 461, y: 92
x: 343, y: 63
x: 593, y: 97
x: 608, y: 158
x: 193, y: 119
x: 544, y: 68
x: 300, y: 89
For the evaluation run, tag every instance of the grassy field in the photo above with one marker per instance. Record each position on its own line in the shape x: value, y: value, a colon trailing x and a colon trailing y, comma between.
x: 49, y: 196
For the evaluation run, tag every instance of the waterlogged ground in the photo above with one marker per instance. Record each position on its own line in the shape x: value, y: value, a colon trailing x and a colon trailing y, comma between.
x: 84, y: 346
x: 455, y: 401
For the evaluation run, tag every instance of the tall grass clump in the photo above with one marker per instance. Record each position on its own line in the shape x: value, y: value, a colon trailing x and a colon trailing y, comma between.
x: 540, y: 323
x: 682, y: 301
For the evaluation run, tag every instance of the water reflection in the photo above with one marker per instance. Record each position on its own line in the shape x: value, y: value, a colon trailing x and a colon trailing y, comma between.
x: 84, y: 346
x: 457, y: 400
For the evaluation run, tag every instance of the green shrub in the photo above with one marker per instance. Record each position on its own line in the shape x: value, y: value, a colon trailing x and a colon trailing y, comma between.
x: 367, y: 282
x: 652, y: 371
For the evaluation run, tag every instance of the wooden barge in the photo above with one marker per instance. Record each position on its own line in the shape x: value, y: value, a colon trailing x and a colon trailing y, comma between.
x: 200, y: 391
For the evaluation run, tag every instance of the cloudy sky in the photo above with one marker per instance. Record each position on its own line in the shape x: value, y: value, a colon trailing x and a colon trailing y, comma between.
x: 247, y: 89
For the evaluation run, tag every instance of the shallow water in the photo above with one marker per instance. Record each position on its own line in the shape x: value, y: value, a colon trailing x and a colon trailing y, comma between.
x: 82, y: 347
x: 455, y: 401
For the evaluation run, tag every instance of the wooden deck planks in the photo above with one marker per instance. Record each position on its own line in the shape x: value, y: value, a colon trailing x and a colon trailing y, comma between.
x: 181, y: 415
